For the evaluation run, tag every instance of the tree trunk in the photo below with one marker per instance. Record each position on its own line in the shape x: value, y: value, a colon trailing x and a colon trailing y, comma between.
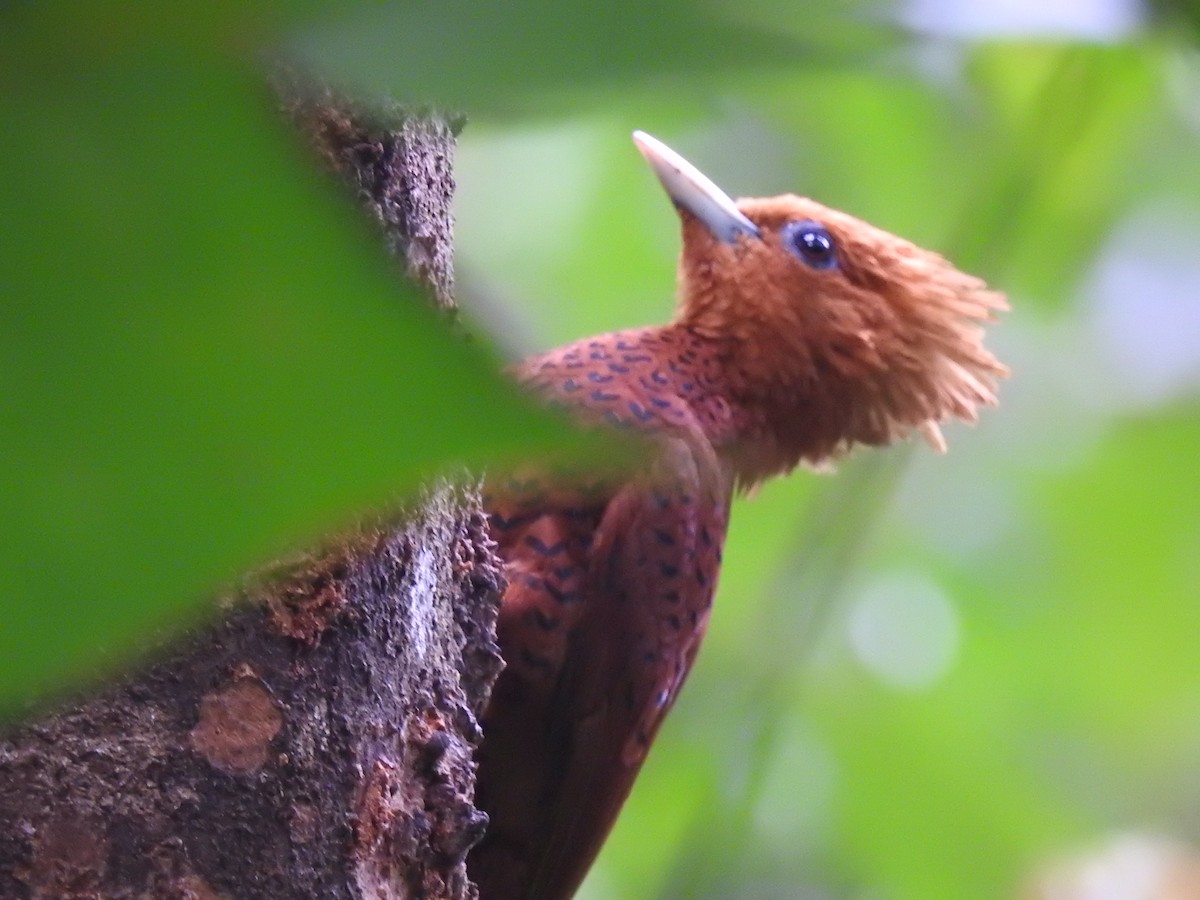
x: 317, y: 741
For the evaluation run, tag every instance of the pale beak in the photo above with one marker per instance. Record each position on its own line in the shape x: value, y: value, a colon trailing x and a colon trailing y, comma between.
x: 691, y: 190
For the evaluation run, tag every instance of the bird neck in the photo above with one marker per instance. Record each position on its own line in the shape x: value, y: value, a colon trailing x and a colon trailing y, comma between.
x: 761, y: 417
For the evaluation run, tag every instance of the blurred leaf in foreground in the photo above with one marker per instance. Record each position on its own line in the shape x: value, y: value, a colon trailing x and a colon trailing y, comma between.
x: 200, y: 362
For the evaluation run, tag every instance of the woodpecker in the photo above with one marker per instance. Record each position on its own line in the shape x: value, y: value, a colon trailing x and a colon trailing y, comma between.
x: 799, y: 333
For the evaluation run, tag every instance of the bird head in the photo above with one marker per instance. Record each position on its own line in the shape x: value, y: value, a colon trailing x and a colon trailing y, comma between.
x: 835, y: 332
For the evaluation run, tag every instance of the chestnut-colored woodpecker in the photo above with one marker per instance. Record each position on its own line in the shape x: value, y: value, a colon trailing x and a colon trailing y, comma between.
x: 799, y: 332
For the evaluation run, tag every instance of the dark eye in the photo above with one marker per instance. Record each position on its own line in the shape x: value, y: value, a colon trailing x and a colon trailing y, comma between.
x: 812, y: 243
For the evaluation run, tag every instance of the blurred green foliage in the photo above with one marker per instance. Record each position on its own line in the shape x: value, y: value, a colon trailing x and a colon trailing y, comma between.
x: 203, y: 357
x: 926, y: 677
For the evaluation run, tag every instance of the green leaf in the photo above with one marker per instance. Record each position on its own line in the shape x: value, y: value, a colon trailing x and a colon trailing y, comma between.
x: 534, y: 56
x: 203, y: 359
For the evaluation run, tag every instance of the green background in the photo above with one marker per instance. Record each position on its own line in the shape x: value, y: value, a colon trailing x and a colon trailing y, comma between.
x: 926, y: 676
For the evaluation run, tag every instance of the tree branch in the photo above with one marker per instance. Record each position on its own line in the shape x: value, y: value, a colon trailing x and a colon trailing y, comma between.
x: 317, y: 741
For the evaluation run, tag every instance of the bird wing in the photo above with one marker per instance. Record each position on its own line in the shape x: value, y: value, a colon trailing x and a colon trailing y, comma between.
x: 611, y: 574
x: 649, y: 588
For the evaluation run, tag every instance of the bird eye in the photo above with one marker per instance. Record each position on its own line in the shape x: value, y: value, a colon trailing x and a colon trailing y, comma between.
x: 812, y: 243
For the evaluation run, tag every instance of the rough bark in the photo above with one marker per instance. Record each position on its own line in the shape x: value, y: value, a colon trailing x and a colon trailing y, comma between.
x: 400, y: 166
x: 317, y: 741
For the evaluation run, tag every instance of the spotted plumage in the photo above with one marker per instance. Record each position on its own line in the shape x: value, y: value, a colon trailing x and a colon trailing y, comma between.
x: 800, y: 332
